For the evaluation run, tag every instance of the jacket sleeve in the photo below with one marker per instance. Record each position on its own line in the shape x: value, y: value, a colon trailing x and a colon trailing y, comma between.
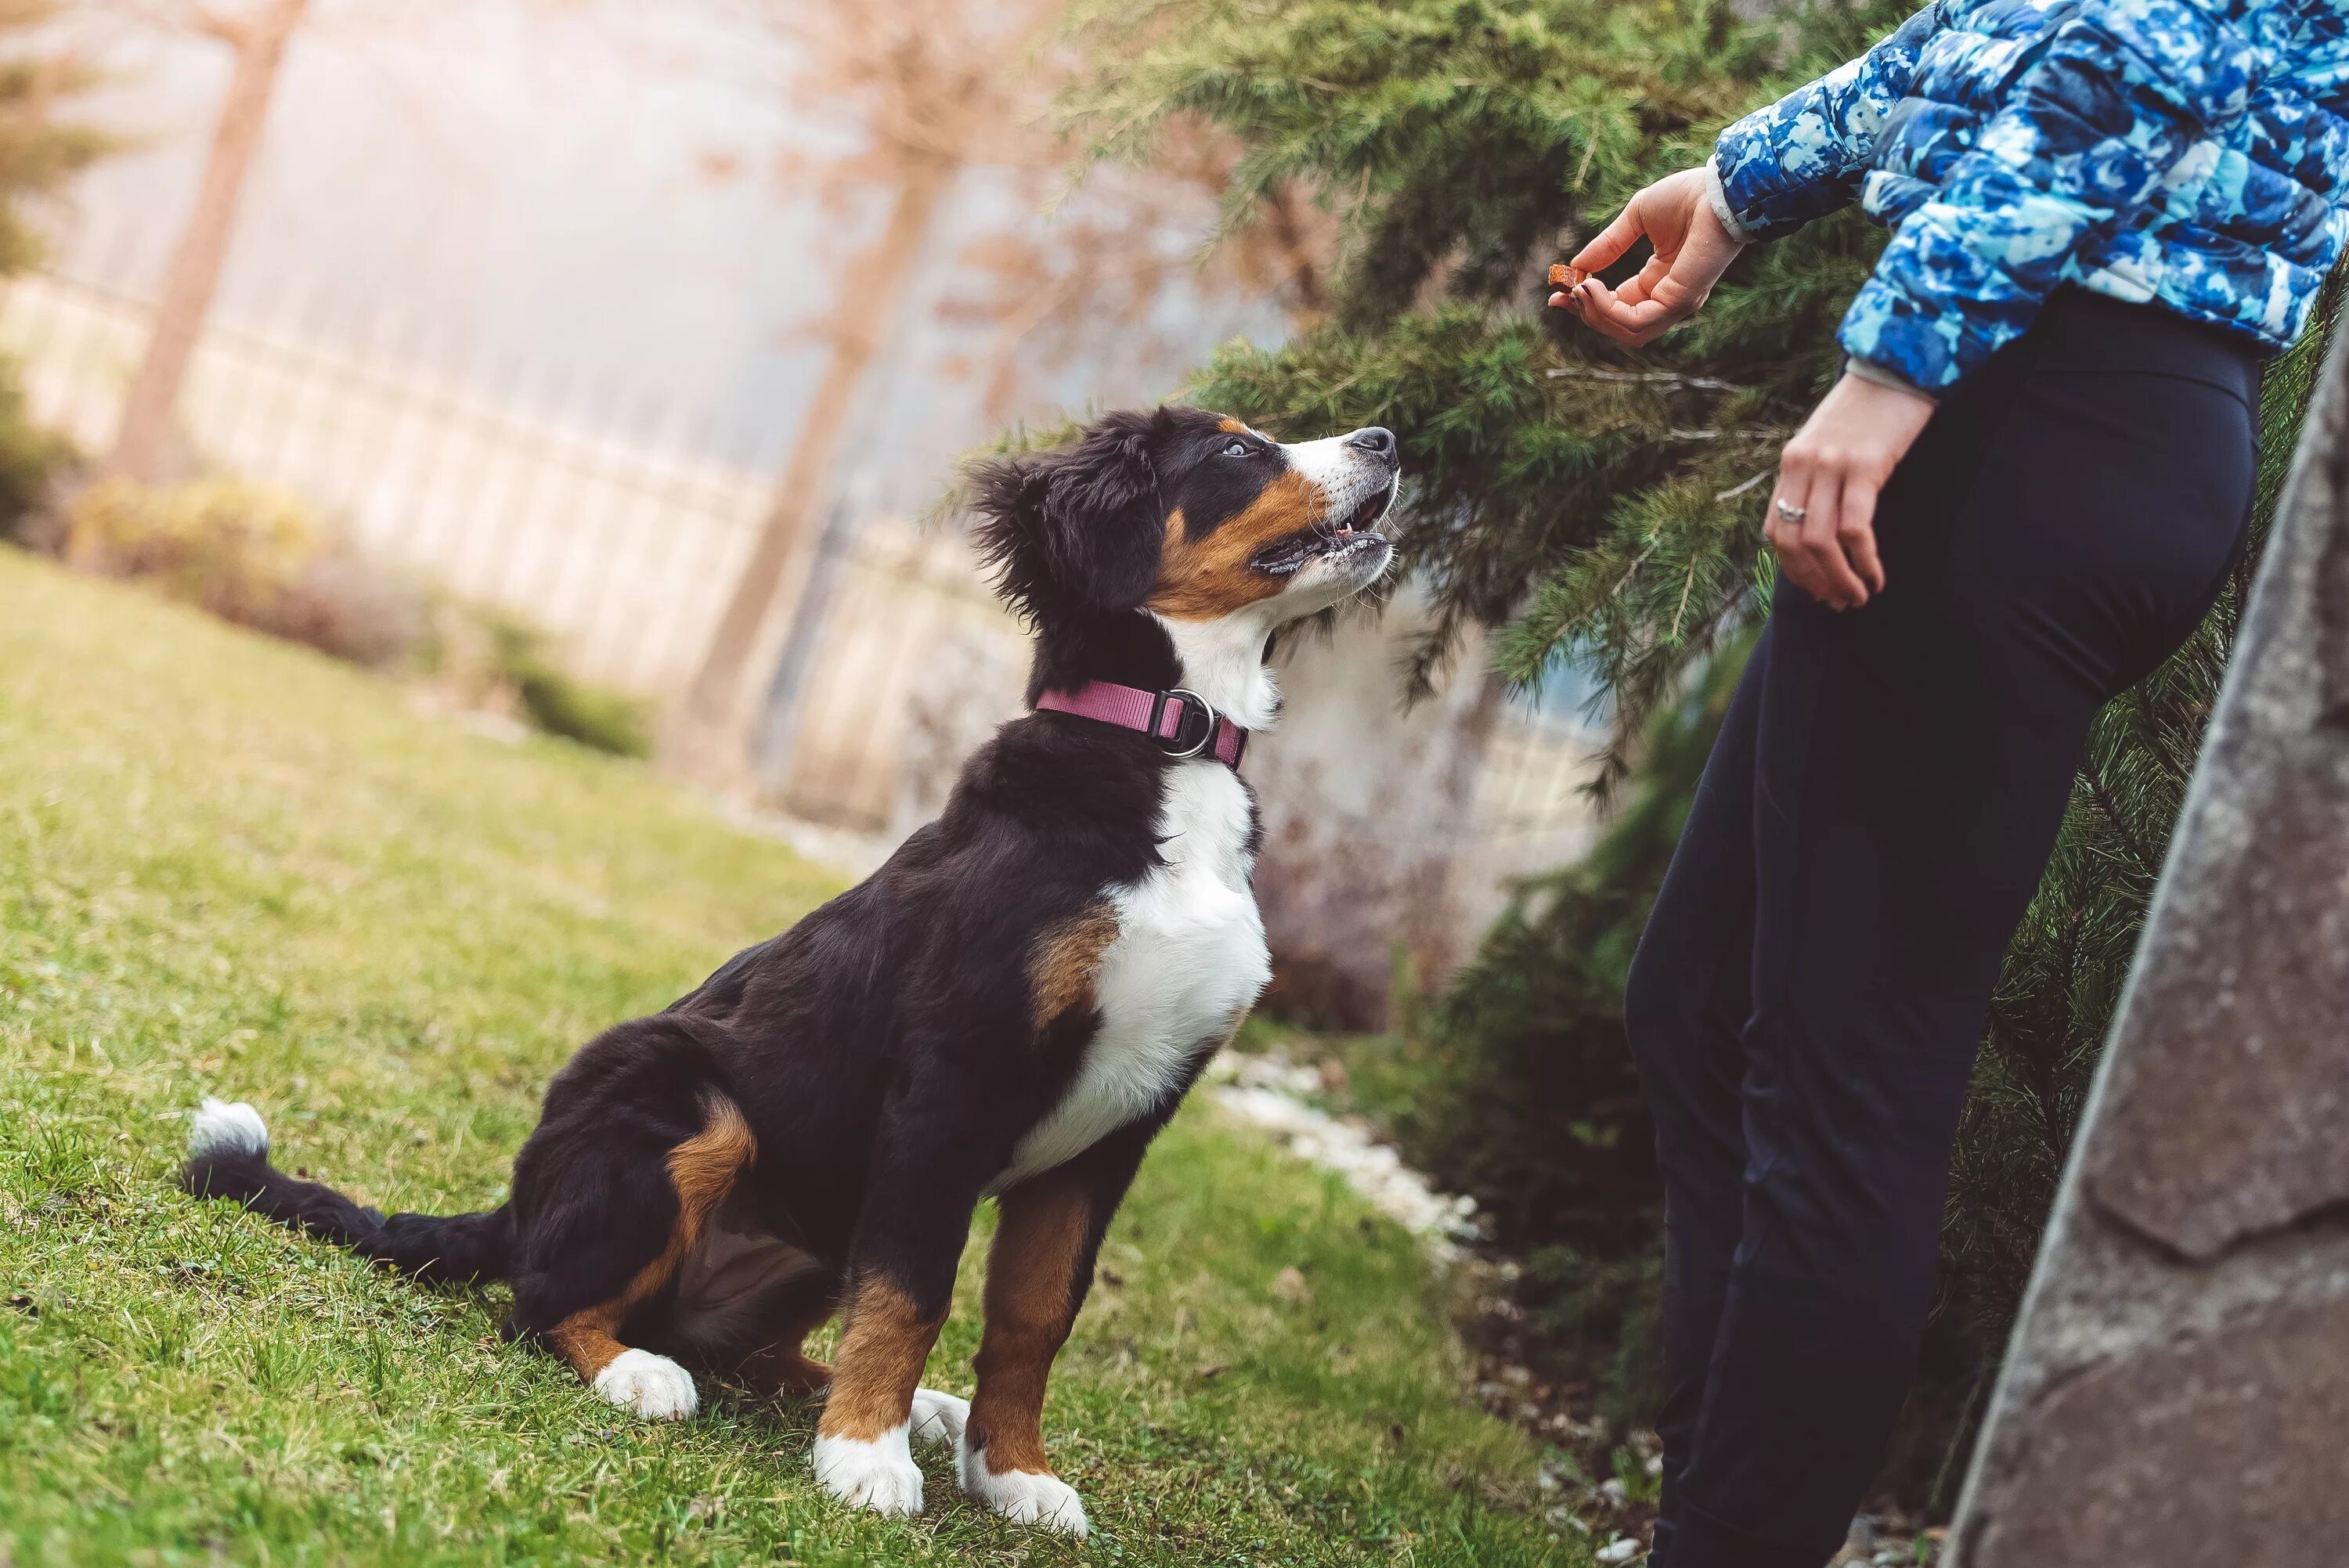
x: 2118, y: 100
x: 1804, y: 156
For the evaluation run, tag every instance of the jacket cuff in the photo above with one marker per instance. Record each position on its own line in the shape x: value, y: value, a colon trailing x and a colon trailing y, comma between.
x: 1932, y: 348
x: 1718, y: 194
x: 1758, y: 196
x: 1867, y: 370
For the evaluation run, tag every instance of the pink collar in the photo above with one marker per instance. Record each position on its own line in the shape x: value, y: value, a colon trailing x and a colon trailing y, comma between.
x: 1179, y: 720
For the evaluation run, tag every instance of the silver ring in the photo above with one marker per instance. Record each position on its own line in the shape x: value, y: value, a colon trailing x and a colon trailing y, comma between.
x: 1790, y: 512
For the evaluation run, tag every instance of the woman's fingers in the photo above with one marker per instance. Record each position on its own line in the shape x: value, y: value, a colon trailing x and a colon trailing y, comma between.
x: 1642, y: 285
x: 1856, y: 530
x: 1828, y: 548
x: 1823, y: 540
x: 1804, y: 531
x: 1783, y: 526
x: 1595, y: 302
x: 1833, y: 472
x: 1608, y: 247
x: 1691, y: 249
x: 1638, y: 323
x: 1659, y: 299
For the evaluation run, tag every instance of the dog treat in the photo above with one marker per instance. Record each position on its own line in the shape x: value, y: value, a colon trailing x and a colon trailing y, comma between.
x: 1562, y: 276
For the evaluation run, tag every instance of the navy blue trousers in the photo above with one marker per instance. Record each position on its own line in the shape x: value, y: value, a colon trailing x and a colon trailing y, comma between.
x: 1881, y: 803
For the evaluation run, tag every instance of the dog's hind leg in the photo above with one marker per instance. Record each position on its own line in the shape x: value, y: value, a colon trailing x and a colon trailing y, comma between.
x: 602, y: 1230
x: 785, y: 1369
x: 781, y: 1368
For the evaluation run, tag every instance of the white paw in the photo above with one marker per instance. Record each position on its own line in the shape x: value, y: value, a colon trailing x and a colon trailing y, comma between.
x: 221, y: 1124
x: 939, y: 1417
x: 654, y: 1387
x: 880, y: 1475
x: 1021, y: 1496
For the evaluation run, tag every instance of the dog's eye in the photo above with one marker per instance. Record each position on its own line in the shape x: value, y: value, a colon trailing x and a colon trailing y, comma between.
x: 1236, y: 449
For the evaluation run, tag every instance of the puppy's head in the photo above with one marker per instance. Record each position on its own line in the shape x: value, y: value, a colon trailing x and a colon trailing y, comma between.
x: 1190, y: 516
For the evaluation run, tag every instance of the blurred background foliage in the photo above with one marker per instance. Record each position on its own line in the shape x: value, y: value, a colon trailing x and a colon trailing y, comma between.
x: 42, y: 148
x: 262, y: 556
x: 1601, y: 509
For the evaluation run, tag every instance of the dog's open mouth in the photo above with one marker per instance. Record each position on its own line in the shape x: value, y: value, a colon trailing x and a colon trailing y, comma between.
x: 1338, y: 536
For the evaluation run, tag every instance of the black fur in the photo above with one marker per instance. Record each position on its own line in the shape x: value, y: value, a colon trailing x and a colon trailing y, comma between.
x: 1075, y: 535
x: 458, y: 1248
x: 883, y: 1050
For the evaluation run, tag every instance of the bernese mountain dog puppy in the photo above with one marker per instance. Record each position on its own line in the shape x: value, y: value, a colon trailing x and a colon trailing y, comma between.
x: 1012, y: 1005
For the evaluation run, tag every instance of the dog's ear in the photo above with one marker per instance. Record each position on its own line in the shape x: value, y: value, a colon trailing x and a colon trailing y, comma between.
x: 1080, y: 528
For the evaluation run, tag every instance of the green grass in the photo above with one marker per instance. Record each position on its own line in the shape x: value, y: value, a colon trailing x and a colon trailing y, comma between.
x: 230, y: 866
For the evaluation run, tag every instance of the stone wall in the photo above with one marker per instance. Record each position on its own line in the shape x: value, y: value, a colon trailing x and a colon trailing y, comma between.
x: 2177, y: 1392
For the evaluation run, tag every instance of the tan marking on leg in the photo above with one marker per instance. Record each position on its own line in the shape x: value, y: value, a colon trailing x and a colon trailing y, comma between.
x: 702, y: 1171
x: 882, y: 1350
x: 1207, y: 579
x: 585, y: 1339
x: 1031, y: 1273
x: 1061, y: 970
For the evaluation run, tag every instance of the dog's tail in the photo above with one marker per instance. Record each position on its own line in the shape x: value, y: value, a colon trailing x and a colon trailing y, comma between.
x: 228, y: 1157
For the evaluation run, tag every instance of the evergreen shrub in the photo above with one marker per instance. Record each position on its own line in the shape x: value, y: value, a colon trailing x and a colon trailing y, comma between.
x: 40, y: 154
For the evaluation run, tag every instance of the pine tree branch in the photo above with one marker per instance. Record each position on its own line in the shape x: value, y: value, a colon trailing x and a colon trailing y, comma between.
x: 1637, y: 561
x: 1679, y: 614
x: 2093, y: 776
x: 2055, y: 1136
x: 1673, y: 378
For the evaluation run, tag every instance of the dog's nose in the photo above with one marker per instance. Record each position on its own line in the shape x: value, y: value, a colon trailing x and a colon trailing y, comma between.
x: 1377, y: 440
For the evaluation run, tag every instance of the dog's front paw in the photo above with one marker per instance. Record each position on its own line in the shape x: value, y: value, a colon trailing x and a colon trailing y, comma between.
x: 880, y: 1475
x: 939, y: 1417
x: 654, y: 1387
x: 1024, y: 1497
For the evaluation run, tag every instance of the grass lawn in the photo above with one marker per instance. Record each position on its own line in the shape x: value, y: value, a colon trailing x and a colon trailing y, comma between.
x: 229, y: 866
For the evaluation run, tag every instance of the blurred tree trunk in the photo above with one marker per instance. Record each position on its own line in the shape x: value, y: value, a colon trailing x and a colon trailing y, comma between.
x: 941, y: 86
x: 260, y: 42
x: 929, y: 79
x: 707, y: 742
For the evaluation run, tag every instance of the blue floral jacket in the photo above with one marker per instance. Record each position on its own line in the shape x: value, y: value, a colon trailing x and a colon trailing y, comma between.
x: 2191, y: 153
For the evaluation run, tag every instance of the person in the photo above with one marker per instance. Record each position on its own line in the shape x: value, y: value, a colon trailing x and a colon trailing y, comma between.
x: 2023, y: 494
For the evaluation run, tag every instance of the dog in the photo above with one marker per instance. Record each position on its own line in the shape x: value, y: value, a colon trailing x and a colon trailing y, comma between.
x: 1013, y: 1006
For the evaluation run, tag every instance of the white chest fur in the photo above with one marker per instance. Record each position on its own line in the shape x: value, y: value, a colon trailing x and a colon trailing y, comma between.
x: 1189, y: 961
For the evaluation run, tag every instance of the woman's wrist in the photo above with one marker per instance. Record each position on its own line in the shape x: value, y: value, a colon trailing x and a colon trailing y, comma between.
x: 1877, y: 373
x: 1716, y: 196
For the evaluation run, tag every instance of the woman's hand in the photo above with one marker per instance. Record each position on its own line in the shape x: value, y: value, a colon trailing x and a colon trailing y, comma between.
x: 1822, y: 518
x: 1692, y: 250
